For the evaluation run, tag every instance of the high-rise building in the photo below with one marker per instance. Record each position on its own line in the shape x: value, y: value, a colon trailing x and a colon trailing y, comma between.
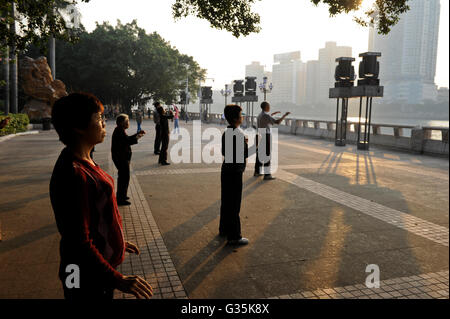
x: 288, y: 78
x: 442, y: 95
x: 312, y: 82
x: 327, y: 66
x: 409, y: 54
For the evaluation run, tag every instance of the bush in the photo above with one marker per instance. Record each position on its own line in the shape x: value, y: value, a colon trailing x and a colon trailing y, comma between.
x: 17, y: 123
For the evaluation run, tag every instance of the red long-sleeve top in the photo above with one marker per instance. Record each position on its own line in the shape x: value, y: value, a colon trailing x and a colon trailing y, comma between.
x: 88, y: 220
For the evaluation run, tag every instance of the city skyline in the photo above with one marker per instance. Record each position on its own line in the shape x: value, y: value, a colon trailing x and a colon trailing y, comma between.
x: 225, y: 57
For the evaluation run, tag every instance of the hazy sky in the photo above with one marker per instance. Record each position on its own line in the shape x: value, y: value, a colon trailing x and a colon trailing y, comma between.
x: 287, y: 25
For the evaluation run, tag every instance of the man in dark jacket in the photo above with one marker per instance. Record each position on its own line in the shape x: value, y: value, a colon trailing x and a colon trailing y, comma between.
x: 235, y: 152
x: 156, y: 120
x: 164, y: 118
x: 121, y: 156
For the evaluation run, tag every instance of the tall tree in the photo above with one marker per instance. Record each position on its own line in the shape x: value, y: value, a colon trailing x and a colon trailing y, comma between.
x: 125, y: 65
x: 37, y: 21
x: 236, y: 16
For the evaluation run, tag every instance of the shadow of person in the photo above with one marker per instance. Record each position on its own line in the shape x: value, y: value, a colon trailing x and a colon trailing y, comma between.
x: 312, y: 242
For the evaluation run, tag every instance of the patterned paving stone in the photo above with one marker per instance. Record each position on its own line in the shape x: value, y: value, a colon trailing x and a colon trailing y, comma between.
x: 426, y: 290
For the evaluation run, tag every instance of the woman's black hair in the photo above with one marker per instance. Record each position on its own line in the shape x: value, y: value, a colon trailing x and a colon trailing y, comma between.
x: 74, y: 111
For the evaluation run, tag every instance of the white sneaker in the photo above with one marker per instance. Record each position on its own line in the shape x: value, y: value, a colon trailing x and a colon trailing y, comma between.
x: 239, y: 242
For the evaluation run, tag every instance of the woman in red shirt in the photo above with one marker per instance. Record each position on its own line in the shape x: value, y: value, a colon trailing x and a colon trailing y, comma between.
x: 85, y: 207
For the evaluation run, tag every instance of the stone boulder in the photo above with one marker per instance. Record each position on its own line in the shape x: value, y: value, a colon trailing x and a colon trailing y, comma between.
x: 37, y: 110
x: 37, y: 83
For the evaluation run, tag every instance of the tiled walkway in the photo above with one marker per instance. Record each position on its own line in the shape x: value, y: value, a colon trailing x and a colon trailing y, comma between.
x: 426, y: 286
x: 154, y: 263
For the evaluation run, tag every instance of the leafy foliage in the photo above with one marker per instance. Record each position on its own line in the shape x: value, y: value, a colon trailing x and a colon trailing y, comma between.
x: 234, y: 16
x: 17, y: 123
x: 237, y: 17
x: 37, y: 20
x: 124, y: 65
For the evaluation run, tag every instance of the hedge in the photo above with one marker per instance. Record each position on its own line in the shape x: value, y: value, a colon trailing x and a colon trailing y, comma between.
x: 17, y: 123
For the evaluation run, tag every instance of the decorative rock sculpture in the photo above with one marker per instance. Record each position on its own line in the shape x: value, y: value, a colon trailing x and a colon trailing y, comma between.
x: 38, y: 84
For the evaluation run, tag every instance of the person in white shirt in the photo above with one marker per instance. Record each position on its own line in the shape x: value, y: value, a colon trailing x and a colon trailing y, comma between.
x: 265, y: 121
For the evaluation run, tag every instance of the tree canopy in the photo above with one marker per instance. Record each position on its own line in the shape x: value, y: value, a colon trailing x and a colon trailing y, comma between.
x: 39, y: 19
x: 36, y: 21
x: 124, y: 65
x: 237, y: 17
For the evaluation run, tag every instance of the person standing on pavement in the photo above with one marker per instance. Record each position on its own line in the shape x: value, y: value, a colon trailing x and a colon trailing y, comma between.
x: 176, y: 119
x: 139, y: 118
x: 265, y: 121
x: 156, y: 120
x: 83, y: 201
x: 235, y: 151
x: 164, y: 118
x: 121, y: 156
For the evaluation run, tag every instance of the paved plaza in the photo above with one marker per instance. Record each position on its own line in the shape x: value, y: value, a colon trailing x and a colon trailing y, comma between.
x: 331, y: 212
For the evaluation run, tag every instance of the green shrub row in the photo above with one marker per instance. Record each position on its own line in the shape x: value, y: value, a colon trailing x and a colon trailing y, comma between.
x: 17, y: 123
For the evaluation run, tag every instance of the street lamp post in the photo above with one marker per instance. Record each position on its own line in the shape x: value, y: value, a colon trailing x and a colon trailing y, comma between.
x: 226, y: 93
x: 187, y: 88
x: 264, y: 88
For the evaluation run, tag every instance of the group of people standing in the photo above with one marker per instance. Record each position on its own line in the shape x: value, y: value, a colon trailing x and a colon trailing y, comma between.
x: 86, y: 208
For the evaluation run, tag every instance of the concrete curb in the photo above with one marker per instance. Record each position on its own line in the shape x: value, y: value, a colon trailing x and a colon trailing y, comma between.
x: 10, y: 136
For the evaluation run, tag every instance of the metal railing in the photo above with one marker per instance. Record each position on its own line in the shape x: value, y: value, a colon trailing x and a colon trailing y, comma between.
x: 426, y: 139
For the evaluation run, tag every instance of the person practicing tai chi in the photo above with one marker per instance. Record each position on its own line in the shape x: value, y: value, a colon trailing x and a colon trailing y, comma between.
x: 121, y: 156
x: 265, y: 121
x: 92, y: 244
x: 164, y: 118
x: 157, y: 145
x: 235, y: 151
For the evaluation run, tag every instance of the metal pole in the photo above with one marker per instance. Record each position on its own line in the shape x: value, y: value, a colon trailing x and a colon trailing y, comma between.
x: 7, y: 84
x: 337, y: 121
x: 252, y: 112
x: 370, y: 121
x: 359, y: 119
x: 366, y: 119
x: 344, y: 121
x: 14, y: 82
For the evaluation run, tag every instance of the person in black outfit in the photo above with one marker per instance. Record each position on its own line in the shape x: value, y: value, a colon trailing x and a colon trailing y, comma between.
x: 164, y: 123
x: 156, y: 120
x: 235, y: 151
x: 121, y: 156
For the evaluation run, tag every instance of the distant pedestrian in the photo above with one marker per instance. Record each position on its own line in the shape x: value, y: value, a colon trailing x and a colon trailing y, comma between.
x: 139, y: 118
x: 156, y: 120
x: 82, y: 196
x: 176, y: 119
x: 121, y: 156
x: 164, y: 118
x: 235, y: 151
x: 266, y: 121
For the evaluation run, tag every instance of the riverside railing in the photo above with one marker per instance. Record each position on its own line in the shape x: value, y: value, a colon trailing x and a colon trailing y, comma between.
x: 417, y: 139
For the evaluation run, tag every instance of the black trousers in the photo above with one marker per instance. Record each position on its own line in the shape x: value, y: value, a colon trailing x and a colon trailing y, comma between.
x: 157, y: 146
x: 164, y: 147
x: 230, y: 222
x: 123, y: 178
x: 258, y: 164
